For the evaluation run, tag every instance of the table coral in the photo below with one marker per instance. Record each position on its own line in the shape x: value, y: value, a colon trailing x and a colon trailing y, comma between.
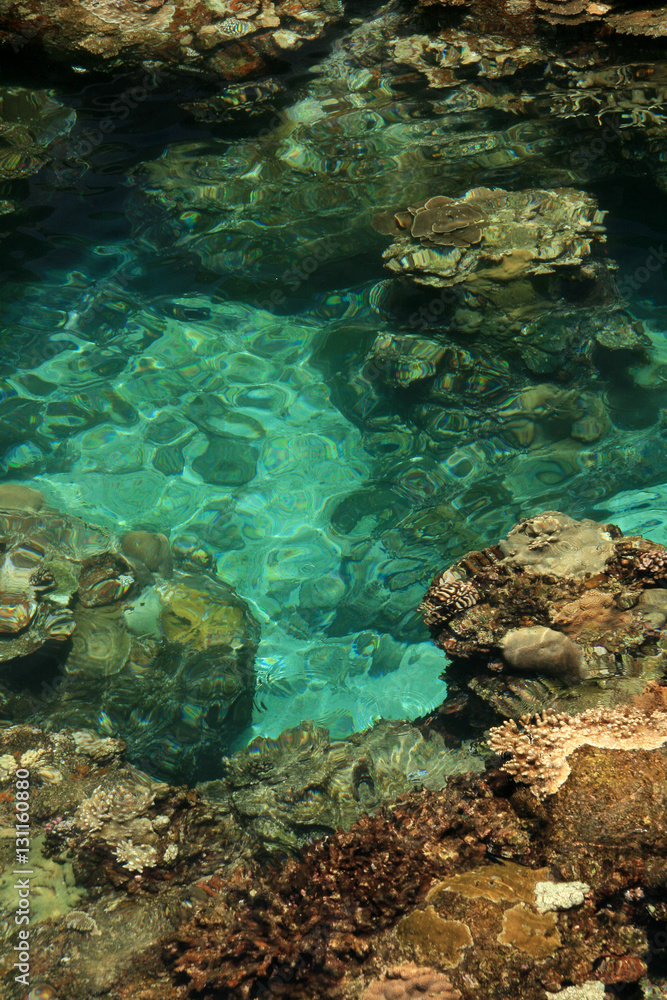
x: 540, y: 748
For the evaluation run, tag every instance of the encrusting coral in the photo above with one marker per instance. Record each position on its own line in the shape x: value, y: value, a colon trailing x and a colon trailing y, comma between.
x: 445, y: 940
x: 405, y: 982
x: 540, y: 748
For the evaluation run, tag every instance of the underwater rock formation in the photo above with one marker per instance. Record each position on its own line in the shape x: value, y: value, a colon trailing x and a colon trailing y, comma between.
x: 531, y: 18
x: 507, y: 259
x: 228, y: 40
x: 575, y: 604
x: 303, y: 785
x: 165, y: 662
x: 32, y: 122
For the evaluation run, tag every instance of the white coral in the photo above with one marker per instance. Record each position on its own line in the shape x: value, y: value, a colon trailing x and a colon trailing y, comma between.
x: 136, y: 857
x: 587, y: 991
x: 559, y: 895
x: 7, y: 766
x: 540, y: 751
x: 118, y: 805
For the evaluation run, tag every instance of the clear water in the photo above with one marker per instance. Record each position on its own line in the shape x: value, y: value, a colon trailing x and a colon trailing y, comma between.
x: 187, y: 308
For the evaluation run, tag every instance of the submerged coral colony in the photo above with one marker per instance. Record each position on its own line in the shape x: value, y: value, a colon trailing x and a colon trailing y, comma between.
x: 246, y: 749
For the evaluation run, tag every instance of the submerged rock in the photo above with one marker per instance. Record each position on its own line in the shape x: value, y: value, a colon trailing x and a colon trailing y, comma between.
x: 221, y: 40
x: 166, y: 662
x: 571, y: 601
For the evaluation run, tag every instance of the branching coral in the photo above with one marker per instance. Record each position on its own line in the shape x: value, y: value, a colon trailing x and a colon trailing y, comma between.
x: 539, y: 750
x: 118, y: 805
x: 136, y: 857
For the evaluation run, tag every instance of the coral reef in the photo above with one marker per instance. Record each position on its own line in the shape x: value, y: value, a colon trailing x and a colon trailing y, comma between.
x: 507, y: 236
x: 32, y: 123
x: 388, y: 908
x: 539, y: 750
x: 223, y: 40
x: 147, y: 655
x: 573, y: 603
x: 303, y: 785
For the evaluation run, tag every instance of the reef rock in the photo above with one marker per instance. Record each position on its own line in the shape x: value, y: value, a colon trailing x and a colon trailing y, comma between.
x: 522, y: 269
x: 568, y: 602
x: 227, y: 40
x: 503, y: 236
x: 445, y: 58
x: 164, y: 659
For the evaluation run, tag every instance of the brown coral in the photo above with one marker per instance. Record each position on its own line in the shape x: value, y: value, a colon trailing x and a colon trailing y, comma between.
x: 439, y: 221
x: 404, y: 982
x: 540, y: 750
x: 653, y: 698
x: 653, y: 563
x: 506, y: 882
x: 445, y: 940
x: 533, y: 933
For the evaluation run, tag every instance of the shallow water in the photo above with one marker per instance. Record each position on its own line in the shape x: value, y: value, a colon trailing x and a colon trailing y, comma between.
x: 188, y: 307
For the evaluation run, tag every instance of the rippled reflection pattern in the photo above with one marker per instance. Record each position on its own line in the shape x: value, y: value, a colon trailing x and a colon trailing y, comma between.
x: 260, y: 427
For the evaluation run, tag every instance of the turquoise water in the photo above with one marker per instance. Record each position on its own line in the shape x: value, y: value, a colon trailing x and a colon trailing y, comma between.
x: 189, y: 311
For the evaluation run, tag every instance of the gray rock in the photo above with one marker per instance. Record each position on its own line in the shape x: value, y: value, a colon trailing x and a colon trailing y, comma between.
x: 542, y: 650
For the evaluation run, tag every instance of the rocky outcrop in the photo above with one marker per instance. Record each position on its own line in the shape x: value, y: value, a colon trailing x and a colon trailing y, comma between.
x: 120, y: 636
x: 559, y: 611
x: 227, y: 41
